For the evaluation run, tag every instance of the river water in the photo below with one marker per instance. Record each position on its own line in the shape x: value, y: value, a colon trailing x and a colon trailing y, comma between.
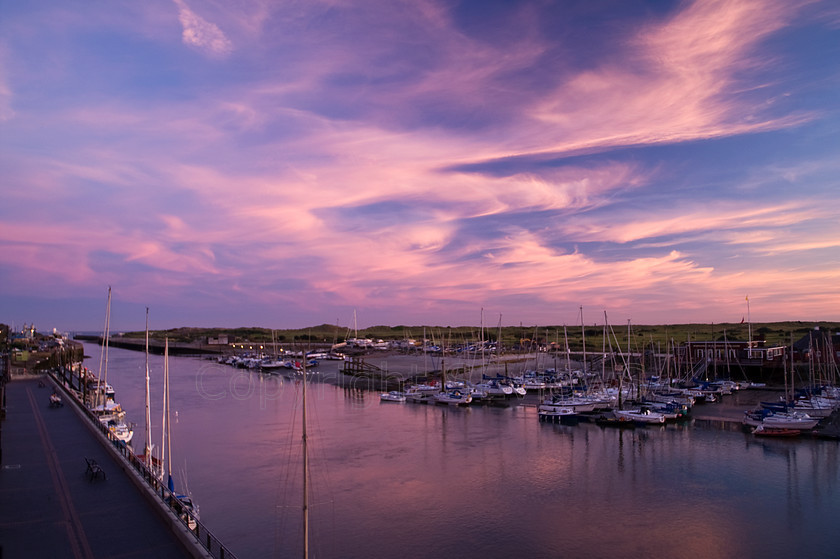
x: 407, y: 480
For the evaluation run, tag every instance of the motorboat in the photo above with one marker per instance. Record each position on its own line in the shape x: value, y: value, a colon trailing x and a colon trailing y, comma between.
x: 120, y: 430
x: 108, y: 411
x: 555, y: 413
x: 640, y: 415
x: 392, y: 396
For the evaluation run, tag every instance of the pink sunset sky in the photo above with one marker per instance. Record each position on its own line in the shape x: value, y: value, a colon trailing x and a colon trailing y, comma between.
x: 284, y: 164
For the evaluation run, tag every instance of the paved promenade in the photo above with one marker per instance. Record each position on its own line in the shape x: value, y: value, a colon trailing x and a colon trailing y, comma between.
x: 49, y: 506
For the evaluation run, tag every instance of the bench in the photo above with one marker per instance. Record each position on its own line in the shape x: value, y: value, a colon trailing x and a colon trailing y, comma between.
x: 93, y: 469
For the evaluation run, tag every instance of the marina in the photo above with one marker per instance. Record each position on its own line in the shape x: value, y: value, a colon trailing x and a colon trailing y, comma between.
x: 466, y: 279
x: 410, y: 480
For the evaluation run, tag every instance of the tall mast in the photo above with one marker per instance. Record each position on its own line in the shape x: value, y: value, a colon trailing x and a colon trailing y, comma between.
x: 305, y: 473
x: 583, y: 338
x: 568, y: 351
x: 629, y: 358
x: 167, y: 435
x: 103, y: 357
x: 499, y: 341
x: 791, y: 370
x: 107, y: 341
x: 604, y: 353
x: 425, y: 355
x: 749, y: 329
x: 147, y: 451
x: 483, y: 364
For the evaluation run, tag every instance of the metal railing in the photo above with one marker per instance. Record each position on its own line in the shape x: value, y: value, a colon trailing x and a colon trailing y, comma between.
x: 203, y: 536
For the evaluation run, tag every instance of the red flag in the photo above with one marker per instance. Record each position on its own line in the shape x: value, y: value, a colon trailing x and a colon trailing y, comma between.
x: 742, y: 320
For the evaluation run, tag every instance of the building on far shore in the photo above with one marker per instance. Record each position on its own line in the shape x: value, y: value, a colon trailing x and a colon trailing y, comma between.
x: 820, y: 347
x: 753, y: 353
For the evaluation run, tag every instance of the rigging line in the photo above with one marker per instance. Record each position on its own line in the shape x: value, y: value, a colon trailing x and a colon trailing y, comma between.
x: 315, y: 415
x: 291, y: 447
x: 322, y: 482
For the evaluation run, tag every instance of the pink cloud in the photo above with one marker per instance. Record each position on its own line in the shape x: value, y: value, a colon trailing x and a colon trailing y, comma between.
x: 718, y: 218
x: 202, y: 34
x: 688, y: 89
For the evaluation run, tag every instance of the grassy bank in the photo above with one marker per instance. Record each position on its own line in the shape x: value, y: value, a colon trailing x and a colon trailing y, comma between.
x: 660, y: 336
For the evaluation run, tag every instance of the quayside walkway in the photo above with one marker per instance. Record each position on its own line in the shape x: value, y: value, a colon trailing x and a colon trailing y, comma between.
x: 51, y: 505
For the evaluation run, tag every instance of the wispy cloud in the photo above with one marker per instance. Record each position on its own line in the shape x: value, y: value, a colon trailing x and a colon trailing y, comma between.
x: 202, y: 34
x: 675, y: 81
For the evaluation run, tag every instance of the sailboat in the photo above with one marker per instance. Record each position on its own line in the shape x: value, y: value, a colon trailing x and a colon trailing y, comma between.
x: 181, y: 504
x: 102, y: 402
x: 454, y: 396
x: 117, y: 425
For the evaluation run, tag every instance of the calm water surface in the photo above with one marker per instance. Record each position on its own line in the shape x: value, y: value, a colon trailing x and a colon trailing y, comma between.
x: 411, y: 480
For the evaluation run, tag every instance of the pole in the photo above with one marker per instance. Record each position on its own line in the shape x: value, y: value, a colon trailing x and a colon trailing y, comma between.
x: 583, y: 338
x: 305, y: 474
x: 147, y: 451
x: 749, y: 329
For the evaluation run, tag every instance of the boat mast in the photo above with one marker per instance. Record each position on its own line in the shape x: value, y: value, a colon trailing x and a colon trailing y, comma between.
x: 166, y: 400
x: 689, y: 365
x: 107, y: 343
x: 499, y: 342
x: 791, y: 370
x: 147, y: 451
x: 305, y: 472
x: 608, y: 329
x: 568, y: 351
x: 483, y: 364
x: 583, y: 338
x: 100, y: 389
x: 749, y: 329
x: 442, y: 364
x: 604, y: 353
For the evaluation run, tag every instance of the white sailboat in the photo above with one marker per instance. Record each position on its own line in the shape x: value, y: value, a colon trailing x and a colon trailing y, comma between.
x: 639, y: 415
x: 103, y: 404
x: 452, y: 396
x: 181, y: 504
x: 790, y: 420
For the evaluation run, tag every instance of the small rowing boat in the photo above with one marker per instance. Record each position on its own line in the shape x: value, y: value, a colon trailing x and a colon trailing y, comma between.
x: 765, y: 431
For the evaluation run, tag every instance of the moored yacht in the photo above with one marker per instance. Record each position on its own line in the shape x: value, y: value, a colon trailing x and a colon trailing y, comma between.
x: 790, y: 420
x: 120, y: 430
x: 454, y: 397
x: 579, y: 405
x: 640, y: 415
x: 392, y: 396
